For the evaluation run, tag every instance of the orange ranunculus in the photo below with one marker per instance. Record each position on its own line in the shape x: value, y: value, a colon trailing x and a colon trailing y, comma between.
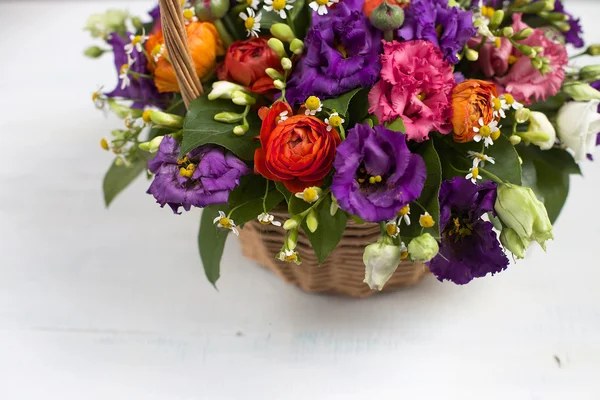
x: 297, y: 151
x: 370, y: 5
x: 205, y: 45
x: 472, y: 100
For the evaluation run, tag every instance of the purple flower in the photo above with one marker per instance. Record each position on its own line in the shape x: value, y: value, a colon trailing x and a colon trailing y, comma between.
x: 425, y: 17
x: 155, y: 13
x: 376, y: 174
x: 142, y: 90
x: 342, y: 53
x: 203, y: 177
x: 469, y: 248
x: 340, y: 9
x: 573, y: 35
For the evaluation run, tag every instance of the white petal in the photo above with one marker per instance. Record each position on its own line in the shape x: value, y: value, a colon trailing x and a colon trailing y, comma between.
x: 314, y: 5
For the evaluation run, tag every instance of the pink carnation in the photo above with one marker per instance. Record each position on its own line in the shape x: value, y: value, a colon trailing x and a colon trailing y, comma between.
x: 493, y: 61
x: 526, y: 83
x: 416, y: 84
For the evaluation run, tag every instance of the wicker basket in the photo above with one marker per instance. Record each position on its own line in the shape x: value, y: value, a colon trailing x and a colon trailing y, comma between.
x: 343, y: 271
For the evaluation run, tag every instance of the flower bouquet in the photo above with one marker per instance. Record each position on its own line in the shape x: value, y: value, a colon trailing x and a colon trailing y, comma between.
x: 412, y: 133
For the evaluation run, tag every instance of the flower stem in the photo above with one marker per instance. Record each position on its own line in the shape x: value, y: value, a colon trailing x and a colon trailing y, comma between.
x: 225, y: 36
x: 265, y: 198
x: 493, y: 177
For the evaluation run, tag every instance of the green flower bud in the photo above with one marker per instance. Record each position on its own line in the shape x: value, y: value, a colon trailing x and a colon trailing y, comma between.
x: 522, y: 115
x: 242, y: 98
x: 515, y: 140
x: 512, y: 241
x: 537, y: 63
x: 292, y: 223
x: 228, y: 117
x: 593, y: 50
x: 115, y: 19
x: 534, y: 8
x: 387, y: 17
x: 312, y: 220
x: 334, y: 207
x: 472, y: 55
x: 93, y: 52
x: 273, y: 73
x: 223, y: 90
x: 525, y: 50
x: 211, y: 10
x: 279, y: 84
x: 137, y: 23
x: 555, y: 16
x: 240, y: 130
x: 497, y: 19
x: 152, y: 146
x: 580, y: 91
x: 562, y: 26
x: 165, y: 119
x: 119, y: 162
x: 520, y: 210
x: 297, y: 46
x: 282, y: 32
x: 423, y: 248
x: 381, y: 260
x: 123, y: 111
x: 508, y: 31
x: 292, y: 239
x: 541, y: 132
x: 277, y: 46
x: 286, y: 63
x: 590, y: 72
x: 522, y: 34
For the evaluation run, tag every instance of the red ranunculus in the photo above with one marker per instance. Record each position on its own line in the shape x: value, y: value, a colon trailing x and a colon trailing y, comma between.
x: 245, y: 63
x: 297, y: 150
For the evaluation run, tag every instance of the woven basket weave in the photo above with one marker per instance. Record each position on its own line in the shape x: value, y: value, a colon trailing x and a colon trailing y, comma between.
x: 343, y: 271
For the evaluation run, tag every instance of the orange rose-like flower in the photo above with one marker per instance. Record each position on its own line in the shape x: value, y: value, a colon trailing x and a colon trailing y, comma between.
x: 205, y: 45
x: 472, y: 100
x: 297, y: 150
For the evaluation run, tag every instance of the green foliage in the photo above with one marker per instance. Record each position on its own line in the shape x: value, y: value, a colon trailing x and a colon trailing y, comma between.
x: 246, y: 200
x: 331, y: 228
x: 396, y: 125
x: 268, y: 19
x: 118, y: 177
x: 358, y: 109
x: 211, y: 242
x: 341, y: 103
x: 200, y: 128
x: 429, y: 198
x: 295, y: 205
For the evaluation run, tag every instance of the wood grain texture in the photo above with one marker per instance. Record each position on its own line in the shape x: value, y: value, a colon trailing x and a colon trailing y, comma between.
x: 114, y: 305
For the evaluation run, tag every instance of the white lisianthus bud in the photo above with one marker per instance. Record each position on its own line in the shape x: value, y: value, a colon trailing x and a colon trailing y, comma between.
x: 423, y: 248
x: 166, y: 119
x: 511, y: 240
x: 578, y: 124
x: 521, y: 211
x: 273, y: 73
x: 242, y: 98
x: 286, y: 63
x: 522, y: 115
x: 541, y: 132
x: 279, y: 84
x: 152, y: 146
x: 580, y: 91
x: 381, y: 260
x: 223, y: 90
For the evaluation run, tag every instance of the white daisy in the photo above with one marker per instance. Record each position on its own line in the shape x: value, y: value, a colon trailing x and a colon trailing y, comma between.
x: 98, y: 98
x: 225, y: 223
x: 251, y: 22
x: 510, y: 102
x: 283, y: 116
x: 334, y: 121
x: 289, y: 256
x: 392, y: 229
x: 136, y: 43
x: 473, y: 174
x: 404, y: 214
x: 320, y: 6
x: 124, y: 73
x: 310, y: 194
x: 313, y: 105
x: 189, y: 15
x: 480, y: 158
x: 485, y: 132
x: 158, y: 51
x: 268, y: 219
x: 251, y: 3
x: 499, y: 105
x: 403, y: 251
x: 279, y: 6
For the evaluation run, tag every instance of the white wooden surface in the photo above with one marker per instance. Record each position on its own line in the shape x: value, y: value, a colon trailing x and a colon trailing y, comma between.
x: 98, y: 304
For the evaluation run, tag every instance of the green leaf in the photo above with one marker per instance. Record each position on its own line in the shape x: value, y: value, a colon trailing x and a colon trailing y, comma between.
x: 211, y: 242
x: 295, y: 205
x: 557, y: 159
x: 247, y: 199
x: 329, y: 233
x: 200, y: 128
x: 340, y: 104
x: 429, y: 198
x: 397, y: 125
x: 359, y: 107
x: 296, y: 10
x: 118, y: 178
x: 268, y: 19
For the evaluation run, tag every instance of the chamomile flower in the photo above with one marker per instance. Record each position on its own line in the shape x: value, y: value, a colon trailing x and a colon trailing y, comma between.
x: 403, y: 251
x: 487, y: 133
x: 158, y: 51
x: 310, y: 194
x: 320, y: 6
x: 313, y: 105
x: 279, y: 6
x: 334, y: 121
x: 124, y: 73
x: 473, y: 174
x: 137, y: 42
x: 189, y: 15
x: 268, y: 219
x: 480, y: 158
x: 99, y: 98
x: 283, y: 116
x: 289, y: 256
x: 224, y: 222
x: 404, y: 214
x: 499, y: 105
x: 251, y: 3
x: 510, y: 102
x: 251, y: 22
x: 426, y: 220
x: 392, y: 229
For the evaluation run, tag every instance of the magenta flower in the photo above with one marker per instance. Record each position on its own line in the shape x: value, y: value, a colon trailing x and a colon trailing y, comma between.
x: 493, y: 61
x: 416, y: 84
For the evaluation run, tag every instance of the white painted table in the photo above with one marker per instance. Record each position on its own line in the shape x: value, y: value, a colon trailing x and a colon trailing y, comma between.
x: 111, y: 305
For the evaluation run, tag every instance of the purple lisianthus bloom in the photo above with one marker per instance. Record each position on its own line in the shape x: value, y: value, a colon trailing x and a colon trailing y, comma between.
x: 423, y: 18
x: 376, y: 174
x: 573, y: 35
x: 341, y: 9
x: 203, y: 177
x: 141, y: 90
x: 155, y: 13
x: 469, y: 247
x: 342, y: 54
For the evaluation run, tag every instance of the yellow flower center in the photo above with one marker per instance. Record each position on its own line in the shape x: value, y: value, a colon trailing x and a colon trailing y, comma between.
x: 157, y: 50
x: 249, y: 24
x: 340, y: 47
x: 335, y: 121
x: 322, y: 2
x: 313, y: 103
x: 509, y: 98
x: 249, y: 2
x: 438, y: 30
x: 146, y: 116
x: 475, y: 173
x: 404, y: 255
x: 136, y: 39
x: 375, y: 179
x: 310, y: 195
x: 404, y: 211
x: 496, y: 135
x: 183, y: 160
x: 225, y: 222
x: 485, y: 131
x: 188, y: 14
x: 95, y: 96
x: 421, y: 96
x: 391, y: 229
x: 278, y: 5
x: 497, y: 42
x: 426, y: 221
x: 291, y: 257
x: 124, y: 68
x: 512, y: 59
x: 104, y: 144
x: 497, y: 104
x: 487, y: 11
x: 460, y: 229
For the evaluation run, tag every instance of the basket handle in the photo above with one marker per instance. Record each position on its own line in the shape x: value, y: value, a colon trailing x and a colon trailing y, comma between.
x: 176, y: 42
